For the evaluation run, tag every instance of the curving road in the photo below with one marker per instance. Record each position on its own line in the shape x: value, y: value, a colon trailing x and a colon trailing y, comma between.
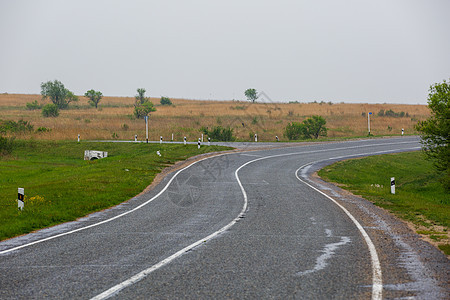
x: 241, y: 225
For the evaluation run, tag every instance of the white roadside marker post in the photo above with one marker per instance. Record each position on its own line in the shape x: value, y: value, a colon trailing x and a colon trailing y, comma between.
x: 184, y: 140
x: 78, y: 138
x: 277, y: 138
x: 202, y: 137
x: 198, y: 144
x: 146, y: 128
x: 403, y: 131
x: 160, y: 139
x: 256, y: 137
x: 135, y: 137
x: 209, y: 141
x: 393, y: 185
x: 368, y: 121
x: 20, y: 198
x: 172, y: 137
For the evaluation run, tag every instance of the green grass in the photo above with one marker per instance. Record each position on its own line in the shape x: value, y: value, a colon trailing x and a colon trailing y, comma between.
x: 419, y: 197
x: 60, y: 186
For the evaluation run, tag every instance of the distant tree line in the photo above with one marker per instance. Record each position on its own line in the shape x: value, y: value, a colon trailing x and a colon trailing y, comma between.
x: 61, y: 97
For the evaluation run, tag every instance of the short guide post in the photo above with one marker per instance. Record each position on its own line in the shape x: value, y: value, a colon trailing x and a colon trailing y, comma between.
x: 393, y: 185
x: 20, y: 198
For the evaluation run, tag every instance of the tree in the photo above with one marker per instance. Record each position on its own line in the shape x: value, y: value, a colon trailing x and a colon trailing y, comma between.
x: 58, y: 94
x: 140, y: 97
x: 165, y: 101
x: 142, y: 106
x: 251, y: 95
x: 435, y: 137
x: 94, y: 97
x: 310, y: 128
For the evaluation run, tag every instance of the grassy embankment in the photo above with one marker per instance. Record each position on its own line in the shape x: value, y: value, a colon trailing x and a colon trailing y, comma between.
x: 419, y: 197
x: 60, y: 186
x: 185, y: 118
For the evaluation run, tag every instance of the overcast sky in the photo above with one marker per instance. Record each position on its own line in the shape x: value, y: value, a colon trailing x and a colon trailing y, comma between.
x: 347, y: 50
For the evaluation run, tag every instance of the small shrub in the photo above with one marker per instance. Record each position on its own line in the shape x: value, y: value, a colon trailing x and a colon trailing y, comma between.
x: 310, y: 128
x: 125, y: 127
x: 219, y: 133
x: 294, y: 130
x: 390, y: 113
x: 115, y: 136
x: 50, y: 110
x: 33, y: 105
x: 255, y: 120
x: 43, y: 129
x: 6, y: 145
x: 15, y: 127
x: 165, y: 101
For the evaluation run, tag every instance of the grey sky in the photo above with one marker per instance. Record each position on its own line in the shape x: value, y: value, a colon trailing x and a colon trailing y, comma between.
x: 349, y: 50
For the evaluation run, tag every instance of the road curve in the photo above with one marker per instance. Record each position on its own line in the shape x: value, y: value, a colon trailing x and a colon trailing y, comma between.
x: 243, y: 225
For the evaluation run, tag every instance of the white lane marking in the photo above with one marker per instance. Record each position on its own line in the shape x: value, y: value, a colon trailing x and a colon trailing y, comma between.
x: 141, y: 275
x: 170, y: 181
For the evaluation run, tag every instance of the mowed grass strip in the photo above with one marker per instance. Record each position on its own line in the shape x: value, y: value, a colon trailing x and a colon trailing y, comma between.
x: 60, y: 186
x: 419, y: 197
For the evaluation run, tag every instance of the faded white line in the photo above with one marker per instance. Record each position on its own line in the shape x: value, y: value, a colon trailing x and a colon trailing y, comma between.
x: 328, y: 251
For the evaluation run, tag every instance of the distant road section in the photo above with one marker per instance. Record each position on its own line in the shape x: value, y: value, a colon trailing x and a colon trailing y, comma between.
x: 253, y: 224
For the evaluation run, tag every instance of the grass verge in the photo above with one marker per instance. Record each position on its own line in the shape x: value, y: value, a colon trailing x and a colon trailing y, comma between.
x: 419, y: 198
x: 60, y: 186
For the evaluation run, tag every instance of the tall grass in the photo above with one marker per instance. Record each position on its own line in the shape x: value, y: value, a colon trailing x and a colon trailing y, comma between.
x: 187, y: 117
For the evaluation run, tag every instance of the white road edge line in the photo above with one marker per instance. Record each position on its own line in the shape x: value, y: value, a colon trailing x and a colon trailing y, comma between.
x: 111, y: 219
x: 165, y: 188
x: 377, y: 280
x: 141, y: 275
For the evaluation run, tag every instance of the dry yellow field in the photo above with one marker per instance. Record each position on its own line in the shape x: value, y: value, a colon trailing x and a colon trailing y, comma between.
x: 185, y: 118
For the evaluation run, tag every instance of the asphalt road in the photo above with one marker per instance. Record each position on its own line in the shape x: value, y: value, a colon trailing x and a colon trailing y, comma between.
x: 247, y: 225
